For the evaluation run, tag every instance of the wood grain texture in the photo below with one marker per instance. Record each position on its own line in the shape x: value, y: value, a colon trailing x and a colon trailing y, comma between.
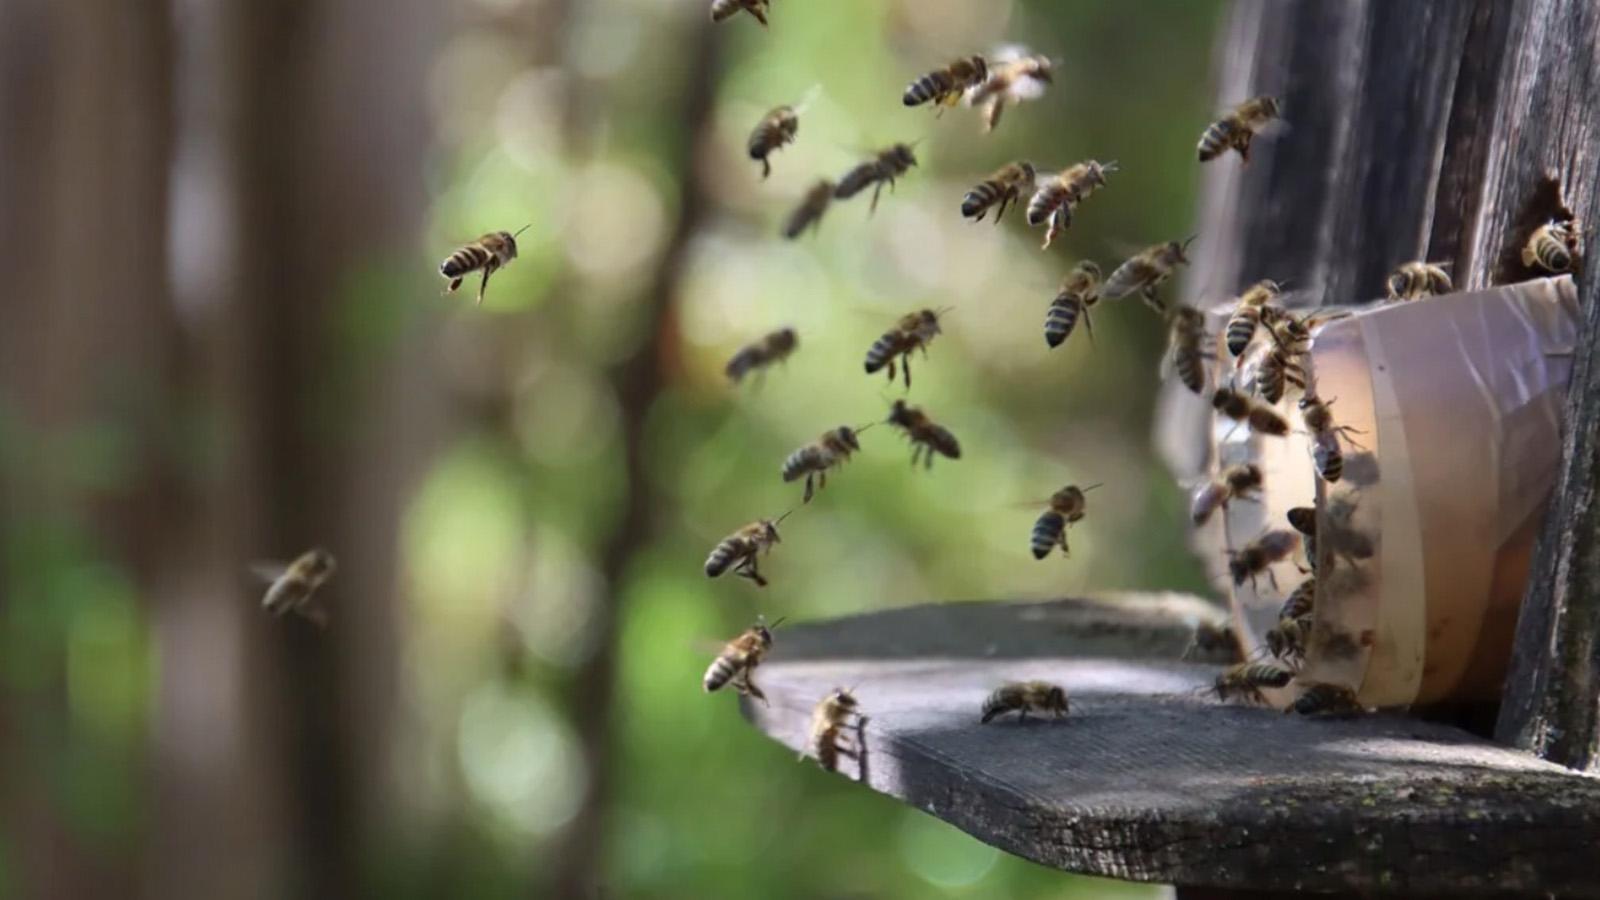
x: 1148, y: 780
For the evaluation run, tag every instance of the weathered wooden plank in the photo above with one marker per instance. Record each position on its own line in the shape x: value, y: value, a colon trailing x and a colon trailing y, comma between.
x: 1150, y: 781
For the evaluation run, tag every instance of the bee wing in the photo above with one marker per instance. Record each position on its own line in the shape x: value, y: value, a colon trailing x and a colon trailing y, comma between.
x: 707, y: 646
x: 1026, y: 89
x: 1128, y: 277
x: 1004, y: 53
x: 810, y: 97
x: 268, y: 570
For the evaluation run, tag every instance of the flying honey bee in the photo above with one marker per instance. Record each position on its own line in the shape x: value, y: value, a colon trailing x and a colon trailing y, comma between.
x: 883, y: 169
x: 809, y: 213
x: 775, y: 129
x: 1326, y: 454
x: 914, y: 331
x: 292, y: 586
x: 737, y: 662
x: 1416, y: 280
x: 1057, y: 197
x: 1146, y: 271
x: 829, y: 720
x: 1239, y: 482
x: 742, y: 550
x: 816, y: 458
x: 771, y: 349
x: 722, y: 10
x: 1067, y: 506
x: 927, y: 437
x: 1235, y: 130
x: 1004, y: 187
x: 1248, y: 562
x: 1246, y: 680
x: 1324, y: 699
x: 944, y: 87
x: 1013, y: 80
x: 1261, y: 418
x: 1023, y: 697
x: 1079, y: 292
x: 489, y: 253
x: 1246, y: 317
x: 1552, y: 246
x: 1187, y: 350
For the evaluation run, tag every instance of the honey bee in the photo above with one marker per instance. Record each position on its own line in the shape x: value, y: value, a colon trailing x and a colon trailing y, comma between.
x: 1261, y: 418
x: 1343, y: 538
x: 1004, y: 187
x: 773, y: 348
x: 1011, y: 81
x: 292, y: 586
x: 1258, y: 555
x: 722, y: 10
x: 775, y: 129
x: 489, y: 253
x: 1023, y: 697
x: 737, y: 663
x: 1057, y: 197
x: 1235, y: 130
x: 1187, y: 351
x: 1246, y: 317
x: 888, y: 165
x: 1080, y: 290
x: 944, y: 87
x: 1276, y: 372
x: 1287, y: 639
x: 913, y: 331
x: 1304, y: 520
x: 1324, y: 699
x: 816, y: 458
x: 1067, y: 506
x: 1326, y: 454
x: 1415, y: 280
x: 1552, y: 246
x: 809, y: 213
x: 927, y: 437
x: 829, y: 720
x: 1246, y: 680
x: 1240, y: 482
x: 1214, y: 642
x: 1146, y: 271
x: 1300, y: 600
x: 742, y: 550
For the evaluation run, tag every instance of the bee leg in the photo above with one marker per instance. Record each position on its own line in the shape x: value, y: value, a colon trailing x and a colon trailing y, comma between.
x: 484, y: 284
x: 808, y: 490
x: 1088, y: 324
x: 751, y: 690
x: 891, y: 370
x: 454, y: 284
x: 905, y: 367
x: 766, y: 169
x: 875, y: 192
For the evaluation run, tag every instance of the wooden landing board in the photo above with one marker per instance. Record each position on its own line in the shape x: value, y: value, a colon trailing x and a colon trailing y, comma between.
x: 1150, y: 781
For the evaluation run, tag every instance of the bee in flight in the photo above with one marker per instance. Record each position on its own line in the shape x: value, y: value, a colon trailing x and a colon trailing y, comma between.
x: 1258, y: 556
x: 1326, y: 454
x: 1080, y: 290
x: 1057, y: 197
x: 1067, y: 506
x: 1261, y: 418
x: 722, y: 10
x: 1246, y: 680
x: 809, y: 213
x: 829, y: 719
x: 1023, y: 697
x: 927, y: 436
x: 292, y: 587
x: 1235, y: 130
x: 489, y: 253
x: 1247, y: 315
x: 1416, y: 280
x: 1240, y: 482
x: 1322, y: 699
x: 1004, y: 187
x: 914, y: 331
x: 816, y: 458
x: 1187, y: 350
x: 1552, y: 246
x: 742, y: 550
x: 775, y: 129
x: 882, y: 169
x: 944, y: 87
x: 737, y: 662
x: 1145, y: 271
x: 1020, y: 77
x: 771, y: 349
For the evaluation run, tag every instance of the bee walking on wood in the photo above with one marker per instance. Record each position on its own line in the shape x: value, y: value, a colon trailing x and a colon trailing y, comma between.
x: 1416, y: 280
x: 1146, y: 271
x: 737, y: 662
x: 1056, y: 198
x: 944, y: 87
x: 489, y: 253
x: 742, y: 550
x: 1552, y: 246
x: 1067, y: 506
x: 776, y: 129
x: 883, y: 169
x: 829, y: 720
x: 1326, y: 454
x: 927, y: 436
x: 1246, y: 680
x: 1261, y: 418
x: 1013, y: 80
x: 292, y: 586
x: 1247, y: 315
x: 1240, y: 482
x: 1235, y: 130
x: 1250, y: 561
x: 914, y: 331
x: 722, y: 10
x: 809, y: 213
x: 773, y: 348
x: 1004, y: 187
x: 1080, y: 290
x: 816, y: 458
x: 1322, y: 699
x: 1023, y: 697
x: 1187, y: 350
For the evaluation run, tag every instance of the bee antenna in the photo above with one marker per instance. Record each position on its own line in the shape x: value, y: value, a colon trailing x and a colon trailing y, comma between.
x: 1189, y: 240
x: 1093, y: 486
x: 1110, y: 166
x: 780, y: 621
x: 944, y: 310
x: 779, y: 520
x: 861, y: 428
x: 522, y: 229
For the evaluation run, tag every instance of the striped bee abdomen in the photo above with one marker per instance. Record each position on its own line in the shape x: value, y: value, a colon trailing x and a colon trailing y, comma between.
x: 721, y: 671
x: 928, y: 87
x: 1047, y: 531
x: 882, y: 351
x: 1189, y: 367
x: 1046, y: 201
x: 723, y: 555
x: 1217, y: 139
x: 856, y: 180
x: 1241, y: 329
x: 742, y: 362
x: 978, y: 200
x: 1000, y: 702
x: 803, y: 461
x: 467, y: 259
x: 940, y: 439
x: 1060, y: 319
x: 1329, y: 459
